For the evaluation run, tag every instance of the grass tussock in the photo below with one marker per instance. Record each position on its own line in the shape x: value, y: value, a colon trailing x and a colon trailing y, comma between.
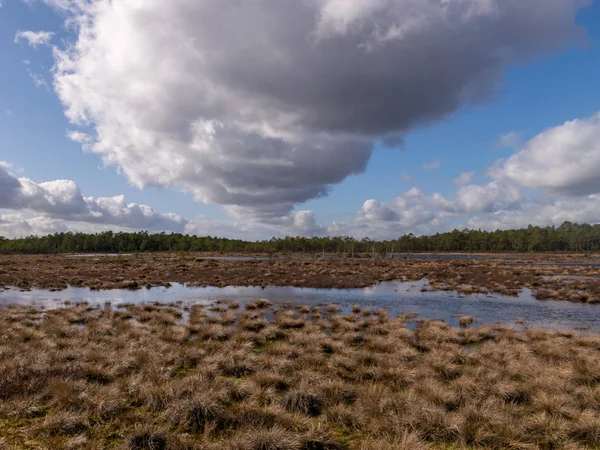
x: 467, y: 276
x: 142, y: 377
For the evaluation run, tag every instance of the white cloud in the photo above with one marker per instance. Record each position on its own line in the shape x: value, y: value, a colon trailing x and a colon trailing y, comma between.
x: 17, y: 225
x: 432, y: 165
x: 271, y: 221
x: 79, y: 137
x: 545, y: 213
x: 287, y: 101
x: 487, y: 198
x: 34, y: 38
x: 511, y: 141
x: 8, y: 112
x: 415, y: 212
x: 564, y: 160
x: 55, y: 206
x: 412, y: 211
x: 266, y: 116
x: 375, y: 210
x: 553, y: 178
x: 38, y: 80
x: 203, y: 226
x: 59, y: 206
x: 413, y: 192
x: 65, y: 5
x: 474, y: 198
x: 464, y: 178
x: 22, y: 224
x: 85, y: 140
x: 406, y: 177
x: 61, y: 200
x: 305, y: 224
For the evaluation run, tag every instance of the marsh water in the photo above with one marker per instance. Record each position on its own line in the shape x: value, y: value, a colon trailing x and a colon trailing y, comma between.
x: 395, y: 297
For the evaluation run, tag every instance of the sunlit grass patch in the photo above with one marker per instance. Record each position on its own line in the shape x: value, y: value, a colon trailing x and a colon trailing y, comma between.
x: 150, y: 376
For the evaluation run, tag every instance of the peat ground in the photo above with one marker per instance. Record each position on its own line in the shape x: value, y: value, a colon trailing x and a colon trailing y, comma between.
x: 543, y: 274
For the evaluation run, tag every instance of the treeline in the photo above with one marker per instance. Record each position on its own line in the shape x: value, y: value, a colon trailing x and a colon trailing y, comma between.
x: 569, y: 237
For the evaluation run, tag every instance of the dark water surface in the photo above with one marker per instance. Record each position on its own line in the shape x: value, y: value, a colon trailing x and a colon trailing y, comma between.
x: 396, y: 297
x: 559, y: 264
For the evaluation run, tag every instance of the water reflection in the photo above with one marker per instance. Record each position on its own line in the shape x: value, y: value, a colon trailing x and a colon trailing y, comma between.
x: 558, y: 264
x: 396, y: 297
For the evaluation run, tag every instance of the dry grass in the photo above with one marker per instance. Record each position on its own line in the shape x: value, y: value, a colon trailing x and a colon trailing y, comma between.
x: 139, y: 378
x: 466, y: 321
x: 490, y: 276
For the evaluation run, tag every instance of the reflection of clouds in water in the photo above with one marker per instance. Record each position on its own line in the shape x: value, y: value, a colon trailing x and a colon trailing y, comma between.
x: 391, y: 288
x: 396, y: 297
x: 370, y: 290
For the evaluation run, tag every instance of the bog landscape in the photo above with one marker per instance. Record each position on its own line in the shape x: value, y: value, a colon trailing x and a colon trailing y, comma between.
x: 298, y: 350
x: 299, y: 225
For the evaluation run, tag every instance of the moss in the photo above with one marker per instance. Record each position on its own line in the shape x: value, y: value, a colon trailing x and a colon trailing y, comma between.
x: 15, y: 433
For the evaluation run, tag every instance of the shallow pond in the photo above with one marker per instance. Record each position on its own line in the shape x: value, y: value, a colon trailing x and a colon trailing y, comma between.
x: 424, y: 256
x: 96, y: 255
x: 454, y: 256
x: 558, y: 264
x: 396, y: 297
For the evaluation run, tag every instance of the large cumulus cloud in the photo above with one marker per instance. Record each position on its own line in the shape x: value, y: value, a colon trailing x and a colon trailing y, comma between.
x: 562, y: 160
x: 61, y: 201
x: 550, y: 179
x: 264, y: 104
x: 18, y: 225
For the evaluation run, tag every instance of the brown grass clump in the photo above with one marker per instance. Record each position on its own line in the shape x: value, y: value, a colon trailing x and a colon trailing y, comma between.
x: 261, y: 303
x: 466, y: 321
x: 142, y: 377
x: 269, y: 439
x: 146, y: 439
x: 252, y: 323
x: 289, y: 320
x: 319, y: 440
x: 304, y: 402
x: 64, y: 424
x: 409, y: 441
x: 333, y: 309
x: 196, y: 414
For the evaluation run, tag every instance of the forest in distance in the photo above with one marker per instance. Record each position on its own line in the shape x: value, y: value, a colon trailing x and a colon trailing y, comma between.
x: 568, y: 237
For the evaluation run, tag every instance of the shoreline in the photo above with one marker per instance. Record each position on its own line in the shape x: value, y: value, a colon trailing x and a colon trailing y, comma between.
x: 574, y: 281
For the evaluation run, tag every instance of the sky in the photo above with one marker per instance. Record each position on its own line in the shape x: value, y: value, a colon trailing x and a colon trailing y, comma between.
x: 260, y: 118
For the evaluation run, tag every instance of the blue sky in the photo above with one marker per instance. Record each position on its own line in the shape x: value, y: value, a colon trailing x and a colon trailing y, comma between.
x: 542, y: 89
x: 33, y: 138
x: 538, y: 94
